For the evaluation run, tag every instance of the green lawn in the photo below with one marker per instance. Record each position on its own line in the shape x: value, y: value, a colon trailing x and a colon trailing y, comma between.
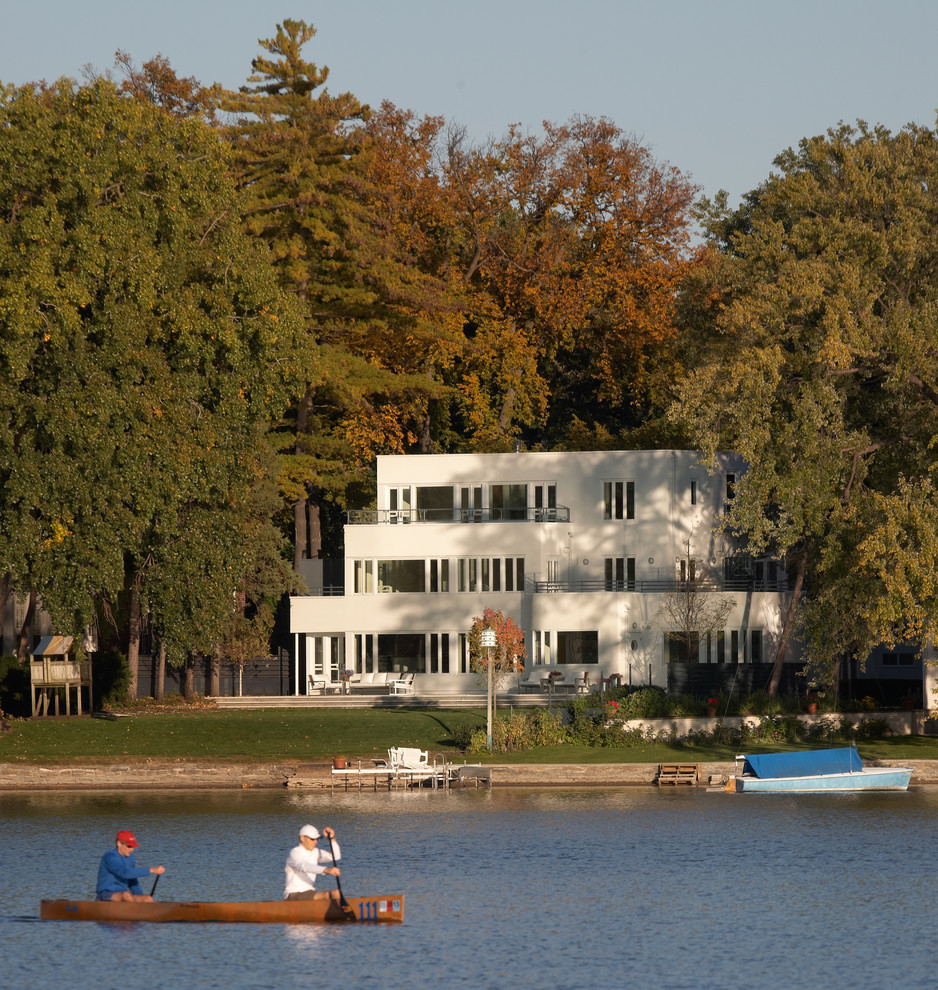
x: 272, y: 735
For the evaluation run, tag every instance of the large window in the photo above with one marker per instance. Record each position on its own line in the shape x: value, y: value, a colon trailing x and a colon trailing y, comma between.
x: 508, y: 501
x: 435, y: 503
x: 401, y: 575
x: 402, y: 653
x: 577, y: 647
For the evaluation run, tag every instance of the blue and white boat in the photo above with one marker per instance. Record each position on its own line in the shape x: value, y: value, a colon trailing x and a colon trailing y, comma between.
x: 815, y: 770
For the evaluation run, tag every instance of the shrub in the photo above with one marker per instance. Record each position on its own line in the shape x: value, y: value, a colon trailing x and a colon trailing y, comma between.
x: 15, y: 687
x: 519, y: 731
x: 648, y: 702
x: 110, y: 676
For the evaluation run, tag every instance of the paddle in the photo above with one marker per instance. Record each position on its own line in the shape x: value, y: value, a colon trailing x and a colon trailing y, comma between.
x: 343, y: 903
x: 155, y: 882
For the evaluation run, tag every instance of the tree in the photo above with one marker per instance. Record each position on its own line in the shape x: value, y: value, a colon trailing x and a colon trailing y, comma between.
x: 694, y: 609
x: 820, y: 367
x: 139, y: 335
x: 323, y: 197
x: 502, y: 660
x: 571, y: 245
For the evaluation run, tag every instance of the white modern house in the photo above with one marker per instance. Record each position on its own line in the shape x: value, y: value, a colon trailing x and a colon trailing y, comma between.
x: 580, y: 549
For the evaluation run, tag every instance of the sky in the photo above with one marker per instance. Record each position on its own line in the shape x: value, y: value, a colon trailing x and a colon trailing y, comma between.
x: 715, y: 88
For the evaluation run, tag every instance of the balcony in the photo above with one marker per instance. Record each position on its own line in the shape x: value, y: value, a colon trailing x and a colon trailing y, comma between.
x: 371, y: 517
x: 655, y: 586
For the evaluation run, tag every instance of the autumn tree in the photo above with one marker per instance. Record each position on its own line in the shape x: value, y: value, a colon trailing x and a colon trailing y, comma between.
x: 820, y: 368
x: 505, y: 658
x: 572, y: 245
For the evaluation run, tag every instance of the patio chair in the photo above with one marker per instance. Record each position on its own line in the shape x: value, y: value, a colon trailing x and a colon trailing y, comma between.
x: 409, y: 758
x: 402, y: 685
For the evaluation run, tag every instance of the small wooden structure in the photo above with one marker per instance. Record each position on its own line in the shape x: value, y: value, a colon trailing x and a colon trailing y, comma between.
x: 678, y: 773
x: 51, y: 670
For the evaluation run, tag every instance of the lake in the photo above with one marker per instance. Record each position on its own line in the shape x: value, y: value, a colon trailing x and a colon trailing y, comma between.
x: 552, y: 888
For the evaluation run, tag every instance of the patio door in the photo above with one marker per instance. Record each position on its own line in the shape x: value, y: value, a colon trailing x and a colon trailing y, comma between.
x: 326, y: 659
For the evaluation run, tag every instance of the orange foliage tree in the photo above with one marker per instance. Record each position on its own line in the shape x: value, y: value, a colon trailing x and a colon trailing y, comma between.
x: 506, y: 657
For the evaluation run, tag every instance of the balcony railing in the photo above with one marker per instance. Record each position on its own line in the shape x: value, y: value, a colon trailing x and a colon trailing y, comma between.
x: 653, y: 586
x: 362, y: 517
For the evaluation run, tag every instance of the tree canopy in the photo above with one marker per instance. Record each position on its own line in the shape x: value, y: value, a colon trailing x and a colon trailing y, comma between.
x: 821, y: 368
x: 140, y: 336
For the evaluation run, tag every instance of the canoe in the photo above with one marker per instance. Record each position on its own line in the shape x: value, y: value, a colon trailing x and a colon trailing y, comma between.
x: 826, y: 770
x: 378, y: 908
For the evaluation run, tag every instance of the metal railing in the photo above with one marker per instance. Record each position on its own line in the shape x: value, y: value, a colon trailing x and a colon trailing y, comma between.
x: 655, y: 586
x: 362, y: 517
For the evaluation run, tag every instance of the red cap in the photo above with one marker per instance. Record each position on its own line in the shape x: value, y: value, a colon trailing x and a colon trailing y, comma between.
x: 127, y: 838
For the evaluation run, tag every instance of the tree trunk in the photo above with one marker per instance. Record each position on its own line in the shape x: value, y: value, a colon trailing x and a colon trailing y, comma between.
x: 214, y: 681
x: 504, y: 416
x: 133, y: 644
x: 314, y: 529
x: 833, y: 688
x: 299, y: 531
x: 424, y: 438
x: 5, y: 585
x: 300, y: 527
x: 160, y: 671
x: 22, y: 643
x: 787, y: 627
x: 189, y: 680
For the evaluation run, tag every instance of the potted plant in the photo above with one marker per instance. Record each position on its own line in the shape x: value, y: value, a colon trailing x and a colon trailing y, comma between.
x: 339, y: 762
x: 712, y: 706
x: 345, y: 675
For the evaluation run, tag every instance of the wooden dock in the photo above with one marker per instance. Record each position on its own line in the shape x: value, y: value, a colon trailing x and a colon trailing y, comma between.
x: 678, y: 773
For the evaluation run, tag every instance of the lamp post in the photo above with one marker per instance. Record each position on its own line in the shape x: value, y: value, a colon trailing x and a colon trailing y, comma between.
x: 488, y: 639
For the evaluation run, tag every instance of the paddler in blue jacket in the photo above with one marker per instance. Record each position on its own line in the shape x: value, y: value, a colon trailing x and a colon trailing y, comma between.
x: 118, y: 874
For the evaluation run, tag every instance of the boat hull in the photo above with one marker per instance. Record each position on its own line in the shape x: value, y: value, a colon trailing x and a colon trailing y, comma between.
x: 868, y: 779
x: 389, y: 908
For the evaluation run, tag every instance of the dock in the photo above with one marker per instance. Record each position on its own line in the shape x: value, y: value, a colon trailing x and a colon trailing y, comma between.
x: 678, y: 773
x: 405, y: 767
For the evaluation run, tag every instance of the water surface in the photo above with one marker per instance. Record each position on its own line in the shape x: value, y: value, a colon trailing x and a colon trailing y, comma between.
x: 505, y: 888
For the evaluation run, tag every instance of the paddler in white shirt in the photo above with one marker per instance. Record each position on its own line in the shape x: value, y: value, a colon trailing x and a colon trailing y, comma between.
x: 307, y: 861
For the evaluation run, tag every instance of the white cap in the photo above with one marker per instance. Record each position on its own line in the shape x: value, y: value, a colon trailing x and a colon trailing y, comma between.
x: 308, y: 830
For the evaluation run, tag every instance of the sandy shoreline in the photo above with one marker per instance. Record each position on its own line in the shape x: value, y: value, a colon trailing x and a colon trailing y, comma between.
x: 155, y: 775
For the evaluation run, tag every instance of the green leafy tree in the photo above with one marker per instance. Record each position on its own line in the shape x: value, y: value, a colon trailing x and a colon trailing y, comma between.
x: 139, y: 336
x: 818, y: 364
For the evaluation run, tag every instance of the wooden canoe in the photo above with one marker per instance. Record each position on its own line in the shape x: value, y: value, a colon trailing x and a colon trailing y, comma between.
x: 379, y: 908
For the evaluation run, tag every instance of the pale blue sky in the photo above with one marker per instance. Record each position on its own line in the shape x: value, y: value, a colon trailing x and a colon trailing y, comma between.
x: 715, y: 88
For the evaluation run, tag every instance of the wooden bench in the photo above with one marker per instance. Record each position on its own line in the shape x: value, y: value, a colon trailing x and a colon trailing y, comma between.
x: 678, y: 773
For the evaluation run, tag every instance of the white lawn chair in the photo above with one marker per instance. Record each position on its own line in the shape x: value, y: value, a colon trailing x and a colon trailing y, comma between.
x: 402, y: 685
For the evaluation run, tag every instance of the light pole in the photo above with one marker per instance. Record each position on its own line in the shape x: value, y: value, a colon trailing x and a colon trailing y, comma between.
x: 488, y: 639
